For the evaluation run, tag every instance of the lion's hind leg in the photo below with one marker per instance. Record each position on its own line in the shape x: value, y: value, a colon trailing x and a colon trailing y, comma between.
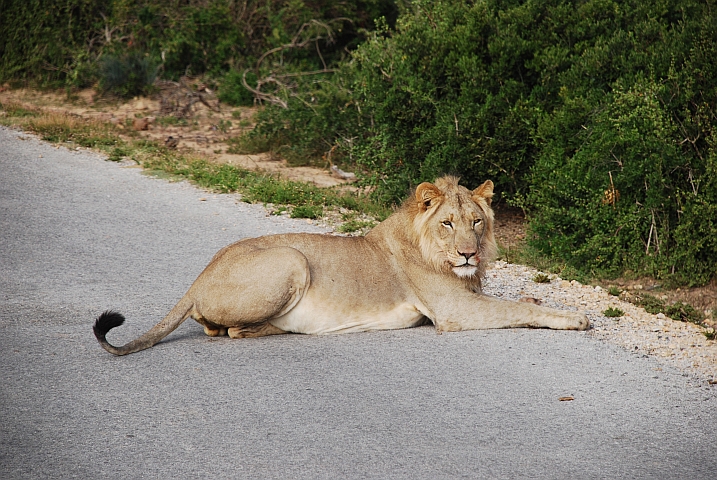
x: 211, y: 329
x: 253, y: 331
x: 243, y: 289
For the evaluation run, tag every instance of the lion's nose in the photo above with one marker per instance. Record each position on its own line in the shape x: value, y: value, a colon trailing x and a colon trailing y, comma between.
x: 467, y: 253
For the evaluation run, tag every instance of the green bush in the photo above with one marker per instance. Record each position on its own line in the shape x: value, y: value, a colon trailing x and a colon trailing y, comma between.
x: 625, y: 179
x: 232, y: 91
x: 677, y: 311
x: 318, y: 125
x: 58, y: 43
x: 613, y: 312
x: 48, y: 41
x: 307, y: 211
x: 448, y: 91
x: 127, y: 75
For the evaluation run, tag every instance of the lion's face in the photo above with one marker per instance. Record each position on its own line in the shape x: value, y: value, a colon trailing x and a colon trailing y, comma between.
x: 455, y: 226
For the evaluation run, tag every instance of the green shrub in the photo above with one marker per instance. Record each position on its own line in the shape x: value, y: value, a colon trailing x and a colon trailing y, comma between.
x: 447, y: 92
x: 58, y: 43
x: 625, y: 179
x: 635, y: 196
x: 307, y: 211
x: 48, y: 41
x: 613, y: 312
x: 614, y: 291
x: 679, y: 311
x: 118, y: 153
x: 684, y: 312
x: 318, y: 126
x: 127, y: 75
x: 650, y: 303
x: 232, y: 91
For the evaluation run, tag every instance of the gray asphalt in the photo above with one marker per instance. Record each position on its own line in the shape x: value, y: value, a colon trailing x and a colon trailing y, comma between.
x: 79, y: 235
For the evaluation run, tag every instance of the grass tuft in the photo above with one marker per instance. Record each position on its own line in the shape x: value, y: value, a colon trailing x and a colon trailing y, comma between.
x: 613, y: 312
x: 541, y: 278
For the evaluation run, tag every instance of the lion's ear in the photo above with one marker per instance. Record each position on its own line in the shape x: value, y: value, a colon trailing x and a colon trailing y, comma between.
x: 485, y: 192
x: 426, y: 194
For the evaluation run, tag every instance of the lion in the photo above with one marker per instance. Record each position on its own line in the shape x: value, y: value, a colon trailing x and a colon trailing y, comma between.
x: 424, y: 264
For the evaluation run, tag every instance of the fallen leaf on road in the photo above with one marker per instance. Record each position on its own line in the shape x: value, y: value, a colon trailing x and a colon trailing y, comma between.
x: 566, y: 399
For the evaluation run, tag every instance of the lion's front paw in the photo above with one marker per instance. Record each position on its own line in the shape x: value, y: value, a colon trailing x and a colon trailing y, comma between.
x: 578, y: 321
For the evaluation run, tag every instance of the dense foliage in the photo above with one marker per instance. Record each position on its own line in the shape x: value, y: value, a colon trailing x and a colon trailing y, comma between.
x: 625, y: 176
x: 63, y: 42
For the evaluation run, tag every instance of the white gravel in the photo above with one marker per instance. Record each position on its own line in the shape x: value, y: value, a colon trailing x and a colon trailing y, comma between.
x: 679, y: 344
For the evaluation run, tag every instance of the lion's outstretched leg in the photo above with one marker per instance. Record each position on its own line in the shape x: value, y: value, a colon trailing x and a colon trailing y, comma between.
x: 468, y: 311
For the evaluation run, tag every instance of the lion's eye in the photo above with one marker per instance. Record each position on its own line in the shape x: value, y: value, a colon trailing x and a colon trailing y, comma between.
x: 477, y: 222
x: 447, y: 223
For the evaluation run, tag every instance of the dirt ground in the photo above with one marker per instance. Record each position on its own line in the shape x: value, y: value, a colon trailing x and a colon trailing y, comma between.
x: 202, y: 131
x: 205, y: 131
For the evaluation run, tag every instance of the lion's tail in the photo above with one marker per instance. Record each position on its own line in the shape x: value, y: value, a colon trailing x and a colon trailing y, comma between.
x: 111, y: 319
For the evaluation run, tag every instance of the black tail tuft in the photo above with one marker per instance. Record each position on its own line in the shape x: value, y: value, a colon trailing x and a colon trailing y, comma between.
x: 106, y: 322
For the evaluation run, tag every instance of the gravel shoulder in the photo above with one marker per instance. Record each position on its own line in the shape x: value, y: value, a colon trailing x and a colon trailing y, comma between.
x: 679, y: 344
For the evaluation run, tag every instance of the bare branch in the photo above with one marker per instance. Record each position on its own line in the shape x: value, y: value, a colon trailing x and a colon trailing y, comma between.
x: 259, y: 95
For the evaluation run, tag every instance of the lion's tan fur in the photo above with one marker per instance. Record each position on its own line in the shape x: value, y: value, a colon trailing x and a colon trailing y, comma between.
x: 425, y: 263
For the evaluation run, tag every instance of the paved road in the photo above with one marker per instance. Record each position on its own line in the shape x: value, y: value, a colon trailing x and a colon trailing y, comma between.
x: 79, y: 235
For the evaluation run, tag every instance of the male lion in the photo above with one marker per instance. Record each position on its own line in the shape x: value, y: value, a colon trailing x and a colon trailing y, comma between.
x: 423, y: 263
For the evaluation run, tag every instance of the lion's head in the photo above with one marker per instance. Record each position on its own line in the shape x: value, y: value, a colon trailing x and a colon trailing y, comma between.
x: 454, y: 226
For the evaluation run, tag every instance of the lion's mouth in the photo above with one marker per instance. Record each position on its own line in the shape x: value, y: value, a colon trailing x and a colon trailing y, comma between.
x: 465, y: 270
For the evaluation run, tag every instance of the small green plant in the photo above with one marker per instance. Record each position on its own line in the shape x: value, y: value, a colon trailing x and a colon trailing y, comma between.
x: 224, y: 126
x: 613, y: 312
x: 684, y: 312
x: 117, y: 154
x: 650, y: 303
x: 541, y: 278
x: 614, y: 291
x: 352, y: 226
x: 232, y: 90
x: 679, y: 311
x: 307, y: 211
x: 710, y: 334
